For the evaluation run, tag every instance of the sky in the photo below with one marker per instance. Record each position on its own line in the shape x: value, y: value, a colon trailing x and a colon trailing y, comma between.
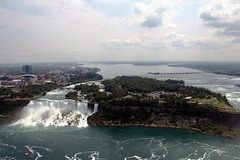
x: 119, y: 30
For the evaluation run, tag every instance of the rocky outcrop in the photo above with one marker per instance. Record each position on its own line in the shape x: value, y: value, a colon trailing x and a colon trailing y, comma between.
x: 9, y: 109
x: 205, y: 120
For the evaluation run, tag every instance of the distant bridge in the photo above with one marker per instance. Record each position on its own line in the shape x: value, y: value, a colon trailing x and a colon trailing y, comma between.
x: 177, y: 73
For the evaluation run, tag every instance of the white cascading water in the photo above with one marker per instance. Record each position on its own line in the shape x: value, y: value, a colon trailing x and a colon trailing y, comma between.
x: 56, y: 112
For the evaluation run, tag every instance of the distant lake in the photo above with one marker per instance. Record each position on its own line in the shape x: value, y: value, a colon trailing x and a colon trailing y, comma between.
x: 109, y: 71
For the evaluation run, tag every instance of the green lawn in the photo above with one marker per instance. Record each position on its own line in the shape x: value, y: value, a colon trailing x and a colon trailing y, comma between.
x: 213, y: 102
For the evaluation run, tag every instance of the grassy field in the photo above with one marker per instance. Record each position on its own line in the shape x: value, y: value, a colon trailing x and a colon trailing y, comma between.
x: 213, y: 102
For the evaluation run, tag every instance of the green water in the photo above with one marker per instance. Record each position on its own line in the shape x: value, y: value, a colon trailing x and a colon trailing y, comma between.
x: 113, y: 143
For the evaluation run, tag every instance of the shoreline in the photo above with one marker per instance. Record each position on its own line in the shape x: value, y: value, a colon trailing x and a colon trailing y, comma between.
x: 204, y: 121
x: 110, y: 123
x: 170, y: 127
x: 11, y: 110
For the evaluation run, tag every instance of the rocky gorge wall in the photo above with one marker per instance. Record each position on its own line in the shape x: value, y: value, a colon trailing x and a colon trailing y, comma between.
x: 205, y: 120
x: 9, y: 109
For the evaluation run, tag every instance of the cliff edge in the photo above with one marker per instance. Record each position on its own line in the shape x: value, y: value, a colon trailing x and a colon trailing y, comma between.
x: 204, y: 120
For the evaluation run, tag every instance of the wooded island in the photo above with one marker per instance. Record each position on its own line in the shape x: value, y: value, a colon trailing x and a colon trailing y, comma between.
x: 137, y: 101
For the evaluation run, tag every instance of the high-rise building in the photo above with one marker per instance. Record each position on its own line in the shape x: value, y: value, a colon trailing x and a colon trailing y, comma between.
x: 27, y: 69
x: 47, y: 76
x: 38, y: 76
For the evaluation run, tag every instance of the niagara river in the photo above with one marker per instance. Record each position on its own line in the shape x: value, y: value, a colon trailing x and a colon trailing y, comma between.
x: 52, y: 127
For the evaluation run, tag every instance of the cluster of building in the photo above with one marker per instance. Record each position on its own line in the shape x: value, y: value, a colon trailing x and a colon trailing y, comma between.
x: 28, y: 78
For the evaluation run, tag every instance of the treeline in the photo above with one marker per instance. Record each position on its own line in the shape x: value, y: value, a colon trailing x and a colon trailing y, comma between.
x: 136, y: 101
x: 142, y: 85
x: 28, y: 91
x: 5, y: 92
x: 120, y: 86
x: 82, y: 77
x: 177, y: 102
x: 115, y: 88
x: 85, y: 88
x: 99, y: 97
x: 81, y: 70
x: 72, y: 95
x: 175, y: 81
x: 138, y: 91
x: 169, y: 101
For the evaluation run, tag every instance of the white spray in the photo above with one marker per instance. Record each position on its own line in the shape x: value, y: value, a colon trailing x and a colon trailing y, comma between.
x: 62, y: 112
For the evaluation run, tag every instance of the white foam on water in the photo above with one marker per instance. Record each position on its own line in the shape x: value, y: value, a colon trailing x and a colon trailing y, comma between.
x: 7, y: 145
x: 236, y: 92
x: 7, y: 158
x: 33, y: 152
x: 236, y: 79
x: 209, y: 152
x: 221, y: 89
x: 56, y: 113
x: 157, y: 148
x: 54, y: 92
x: 135, y: 157
x: 94, y: 155
x: 231, y: 95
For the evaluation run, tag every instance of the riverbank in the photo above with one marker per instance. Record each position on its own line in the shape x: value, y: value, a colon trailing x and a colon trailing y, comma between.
x: 10, y: 109
x: 223, y: 68
x: 173, y: 127
x: 202, y: 120
x: 12, y: 100
x: 136, y: 101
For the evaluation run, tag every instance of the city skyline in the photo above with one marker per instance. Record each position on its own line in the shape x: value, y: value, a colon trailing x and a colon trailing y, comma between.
x: 119, y: 30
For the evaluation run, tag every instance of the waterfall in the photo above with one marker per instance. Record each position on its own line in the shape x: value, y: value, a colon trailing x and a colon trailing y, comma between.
x: 49, y: 112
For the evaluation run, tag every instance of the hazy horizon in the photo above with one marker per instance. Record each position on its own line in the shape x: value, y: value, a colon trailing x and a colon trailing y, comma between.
x: 119, y: 30
x: 119, y: 62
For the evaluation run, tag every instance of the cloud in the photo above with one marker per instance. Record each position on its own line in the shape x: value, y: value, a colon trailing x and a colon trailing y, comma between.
x: 207, y: 17
x: 123, y: 45
x: 152, y: 21
x: 223, y: 17
x: 188, y: 42
x: 137, y: 10
x: 206, y: 44
x: 154, y: 14
x: 236, y: 40
x: 179, y: 44
x: 90, y: 30
x: 68, y: 25
x: 168, y: 41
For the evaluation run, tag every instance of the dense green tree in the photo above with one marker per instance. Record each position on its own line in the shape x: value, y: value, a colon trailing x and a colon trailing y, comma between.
x: 72, y: 95
x: 85, y: 88
x: 120, y: 85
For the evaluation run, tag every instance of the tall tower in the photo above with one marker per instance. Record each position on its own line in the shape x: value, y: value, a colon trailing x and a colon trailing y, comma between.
x: 38, y: 76
x: 27, y: 69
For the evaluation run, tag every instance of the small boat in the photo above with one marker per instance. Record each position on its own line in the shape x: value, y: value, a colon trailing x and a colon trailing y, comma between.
x: 26, y: 154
